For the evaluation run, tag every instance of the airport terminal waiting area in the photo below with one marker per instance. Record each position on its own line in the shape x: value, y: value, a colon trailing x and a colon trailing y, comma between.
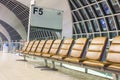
x: 90, y: 54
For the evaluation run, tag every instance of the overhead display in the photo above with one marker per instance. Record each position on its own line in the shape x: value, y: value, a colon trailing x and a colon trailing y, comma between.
x: 46, y: 18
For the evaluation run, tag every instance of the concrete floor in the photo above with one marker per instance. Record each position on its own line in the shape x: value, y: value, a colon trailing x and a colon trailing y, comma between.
x: 10, y: 69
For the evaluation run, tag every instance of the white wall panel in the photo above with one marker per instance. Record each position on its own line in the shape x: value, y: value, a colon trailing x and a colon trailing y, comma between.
x: 3, y: 31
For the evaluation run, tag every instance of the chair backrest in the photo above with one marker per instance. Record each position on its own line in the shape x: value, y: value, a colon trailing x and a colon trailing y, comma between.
x: 96, y: 48
x: 25, y: 46
x: 79, y: 47
x: 30, y: 46
x: 114, y: 51
x: 65, y: 47
x: 55, y: 46
x: 47, y: 46
x: 34, y: 46
x: 40, y: 46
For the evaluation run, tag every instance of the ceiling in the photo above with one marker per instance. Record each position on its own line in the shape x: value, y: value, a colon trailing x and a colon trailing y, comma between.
x: 13, y: 26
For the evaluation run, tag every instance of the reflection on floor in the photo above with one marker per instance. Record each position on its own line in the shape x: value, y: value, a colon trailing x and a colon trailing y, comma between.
x: 10, y: 69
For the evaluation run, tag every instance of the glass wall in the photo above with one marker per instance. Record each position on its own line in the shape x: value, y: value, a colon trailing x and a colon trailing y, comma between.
x: 93, y: 18
x: 37, y: 33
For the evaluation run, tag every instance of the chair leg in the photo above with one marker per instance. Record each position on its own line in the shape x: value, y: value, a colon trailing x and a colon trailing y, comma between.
x: 46, y: 65
x: 33, y: 57
x: 61, y: 65
x: 53, y: 64
x: 115, y: 76
x: 53, y: 67
x: 86, y: 70
x: 24, y: 58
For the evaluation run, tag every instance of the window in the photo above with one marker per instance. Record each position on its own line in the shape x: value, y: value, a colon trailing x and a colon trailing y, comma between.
x: 74, y: 32
x: 84, y: 35
x: 115, y: 6
x: 118, y: 21
x: 82, y: 27
x: 45, y: 33
x: 89, y: 28
x: 119, y: 33
x: 92, y: 1
x: 105, y: 34
x: 77, y: 28
x: 74, y: 20
x: 102, y: 24
x: 89, y: 11
x: 94, y: 18
x: 74, y: 36
x: 51, y: 33
x: 76, y: 3
x: 41, y: 33
x: 112, y: 34
x: 48, y: 33
x: 99, y: 0
x: 77, y: 15
x: 90, y: 36
x: 84, y: 15
x: 105, y: 8
x: 111, y: 23
x: 84, y: 2
x: 95, y: 26
x: 78, y: 36
x: 97, y: 35
x: 97, y: 10
x: 71, y: 5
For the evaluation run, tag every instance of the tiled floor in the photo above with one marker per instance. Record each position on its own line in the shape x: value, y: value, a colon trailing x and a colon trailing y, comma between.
x: 10, y: 69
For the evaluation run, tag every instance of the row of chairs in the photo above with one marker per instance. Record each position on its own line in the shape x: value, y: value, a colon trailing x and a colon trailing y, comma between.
x: 78, y: 51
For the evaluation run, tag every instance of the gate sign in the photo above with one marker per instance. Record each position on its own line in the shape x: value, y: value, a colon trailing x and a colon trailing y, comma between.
x: 46, y: 18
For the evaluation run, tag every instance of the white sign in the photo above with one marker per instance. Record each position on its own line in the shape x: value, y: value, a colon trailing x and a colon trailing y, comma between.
x: 46, y: 18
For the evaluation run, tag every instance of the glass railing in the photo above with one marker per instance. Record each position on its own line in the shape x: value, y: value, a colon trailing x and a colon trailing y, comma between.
x: 10, y: 47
